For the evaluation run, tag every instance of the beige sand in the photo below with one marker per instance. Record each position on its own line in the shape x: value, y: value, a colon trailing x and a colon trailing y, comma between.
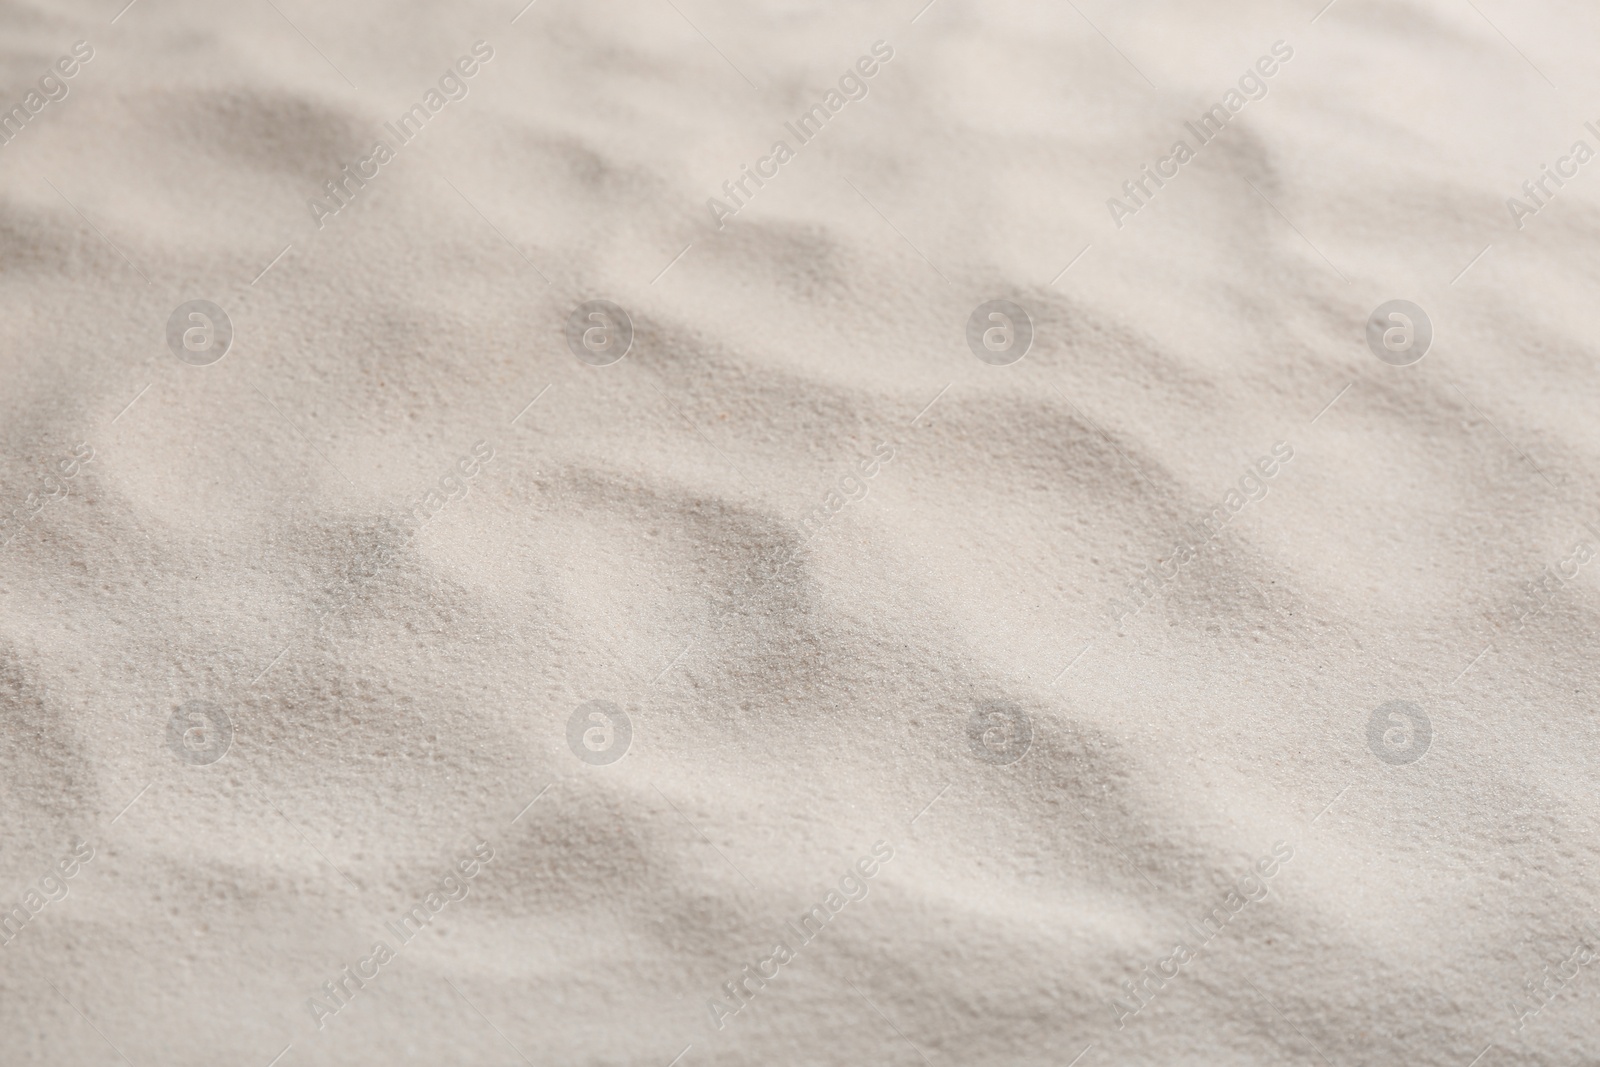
x: 834, y: 569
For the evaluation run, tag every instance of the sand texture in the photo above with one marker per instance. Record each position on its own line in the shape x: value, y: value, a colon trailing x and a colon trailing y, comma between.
x: 990, y: 589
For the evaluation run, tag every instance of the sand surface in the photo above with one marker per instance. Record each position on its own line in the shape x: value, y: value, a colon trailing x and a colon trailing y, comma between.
x: 1198, y: 689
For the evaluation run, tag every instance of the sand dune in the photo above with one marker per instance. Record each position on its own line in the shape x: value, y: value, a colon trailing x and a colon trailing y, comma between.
x: 305, y: 637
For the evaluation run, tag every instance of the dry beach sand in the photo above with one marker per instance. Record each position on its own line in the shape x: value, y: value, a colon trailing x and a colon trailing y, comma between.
x: 1199, y: 688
